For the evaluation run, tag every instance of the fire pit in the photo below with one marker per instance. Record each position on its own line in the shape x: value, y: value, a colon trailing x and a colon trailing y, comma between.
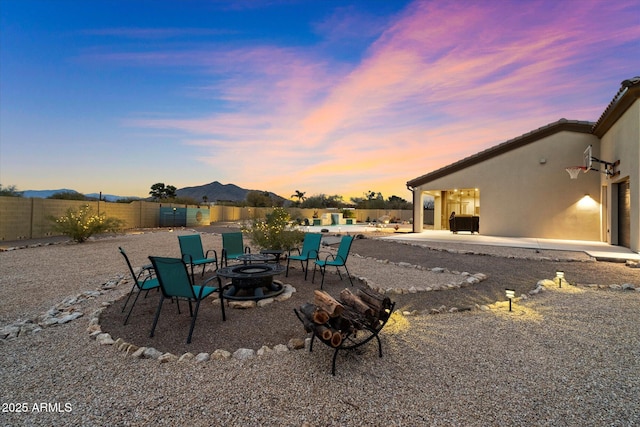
x: 252, y: 282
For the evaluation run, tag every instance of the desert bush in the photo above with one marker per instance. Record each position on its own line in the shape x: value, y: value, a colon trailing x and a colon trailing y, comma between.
x: 83, y: 223
x: 275, y: 232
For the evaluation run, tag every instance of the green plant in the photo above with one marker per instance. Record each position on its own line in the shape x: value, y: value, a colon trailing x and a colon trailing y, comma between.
x: 83, y: 223
x: 274, y: 232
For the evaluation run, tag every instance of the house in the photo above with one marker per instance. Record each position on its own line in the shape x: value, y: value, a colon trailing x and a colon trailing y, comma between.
x: 521, y: 188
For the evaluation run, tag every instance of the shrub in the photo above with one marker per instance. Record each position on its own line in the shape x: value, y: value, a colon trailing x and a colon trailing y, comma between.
x: 83, y: 223
x: 274, y: 232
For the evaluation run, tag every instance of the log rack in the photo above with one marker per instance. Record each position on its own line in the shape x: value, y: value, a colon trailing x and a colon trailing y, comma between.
x: 347, y: 323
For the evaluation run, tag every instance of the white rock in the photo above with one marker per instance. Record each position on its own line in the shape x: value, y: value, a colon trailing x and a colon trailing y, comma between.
x: 70, y: 317
x: 280, y: 348
x: 152, y: 353
x: 105, y: 339
x: 264, y: 350
x: 220, y: 354
x: 185, y: 357
x: 167, y: 357
x: 202, y: 357
x: 244, y: 353
x: 139, y: 353
x: 267, y: 301
x: 242, y: 304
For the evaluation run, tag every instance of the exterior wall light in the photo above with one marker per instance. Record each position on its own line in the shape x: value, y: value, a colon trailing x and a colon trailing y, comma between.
x: 560, y: 277
x: 511, y: 293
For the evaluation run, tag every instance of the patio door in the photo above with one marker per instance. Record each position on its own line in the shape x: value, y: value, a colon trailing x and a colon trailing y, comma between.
x: 624, y: 214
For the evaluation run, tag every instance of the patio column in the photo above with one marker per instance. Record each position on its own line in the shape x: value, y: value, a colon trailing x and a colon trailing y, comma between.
x: 418, y: 211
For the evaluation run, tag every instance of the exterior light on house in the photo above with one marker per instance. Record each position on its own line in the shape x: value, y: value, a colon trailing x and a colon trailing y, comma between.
x: 560, y: 277
x: 511, y: 293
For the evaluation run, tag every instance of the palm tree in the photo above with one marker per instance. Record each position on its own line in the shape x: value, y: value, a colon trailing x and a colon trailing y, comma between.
x: 300, y: 196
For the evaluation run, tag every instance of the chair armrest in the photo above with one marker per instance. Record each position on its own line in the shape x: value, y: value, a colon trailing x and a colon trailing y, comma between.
x: 329, y: 255
x: 206, y: 283
x: 247, y: 250
x: 215, y: 254
x: 294, y: 249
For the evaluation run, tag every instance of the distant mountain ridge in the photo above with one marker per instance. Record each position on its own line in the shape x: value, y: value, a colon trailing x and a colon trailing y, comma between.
x: 214, y: 191
x: 43, y: 194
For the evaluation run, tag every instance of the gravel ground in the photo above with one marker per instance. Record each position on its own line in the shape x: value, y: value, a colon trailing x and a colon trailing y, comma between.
x: 566, y: 356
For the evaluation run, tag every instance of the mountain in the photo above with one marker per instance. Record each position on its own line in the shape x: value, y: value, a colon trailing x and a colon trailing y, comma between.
x: 43, y: 194
x: 216, y: 191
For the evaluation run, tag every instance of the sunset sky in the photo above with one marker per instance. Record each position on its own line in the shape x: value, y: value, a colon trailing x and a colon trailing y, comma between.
x: 332, y: 97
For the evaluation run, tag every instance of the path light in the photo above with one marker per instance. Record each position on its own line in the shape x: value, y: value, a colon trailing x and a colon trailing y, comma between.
x: 559, y: 276
x: 510, y: 294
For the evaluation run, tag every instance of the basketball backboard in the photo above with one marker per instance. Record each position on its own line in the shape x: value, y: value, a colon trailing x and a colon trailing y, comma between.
x: 588, y: 158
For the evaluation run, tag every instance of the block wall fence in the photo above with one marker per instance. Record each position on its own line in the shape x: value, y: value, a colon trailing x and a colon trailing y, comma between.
x: 27, y: 218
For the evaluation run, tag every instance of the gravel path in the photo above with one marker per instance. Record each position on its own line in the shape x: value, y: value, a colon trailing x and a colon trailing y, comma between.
x: 567, y: 356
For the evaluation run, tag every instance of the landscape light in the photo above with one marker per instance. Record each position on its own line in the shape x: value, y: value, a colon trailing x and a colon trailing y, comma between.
x: 559, y: 276
x: 511, y: 293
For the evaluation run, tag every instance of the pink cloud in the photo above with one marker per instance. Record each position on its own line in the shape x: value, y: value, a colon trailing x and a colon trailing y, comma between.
x: 444, y: 81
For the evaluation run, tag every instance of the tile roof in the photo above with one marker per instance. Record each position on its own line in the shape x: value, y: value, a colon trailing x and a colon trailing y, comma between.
x: 628, y: 93
x: 512, y: 144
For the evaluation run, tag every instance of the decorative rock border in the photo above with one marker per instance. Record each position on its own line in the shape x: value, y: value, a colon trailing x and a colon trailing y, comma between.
x: 69, y: 310
x: 61, y: 313
x: 467, y: 280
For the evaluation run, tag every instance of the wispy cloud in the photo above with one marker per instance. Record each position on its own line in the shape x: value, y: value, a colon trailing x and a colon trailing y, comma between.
x: 442, y: 81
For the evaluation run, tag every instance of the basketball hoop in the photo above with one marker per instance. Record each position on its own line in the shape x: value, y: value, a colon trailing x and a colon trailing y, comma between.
x: 574, y: 171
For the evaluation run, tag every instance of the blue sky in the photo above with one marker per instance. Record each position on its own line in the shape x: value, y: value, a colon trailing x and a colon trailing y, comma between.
x: 333, y: 97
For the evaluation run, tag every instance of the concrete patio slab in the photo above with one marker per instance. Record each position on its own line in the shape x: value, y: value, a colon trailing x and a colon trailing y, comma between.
x: 599, y: 250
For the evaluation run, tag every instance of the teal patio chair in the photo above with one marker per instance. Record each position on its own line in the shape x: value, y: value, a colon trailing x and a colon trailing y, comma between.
x: 310, y: 250
x: 193, y: 254
x: 233, y: 246
x: 339, y: 260
x: 175, y: 282
x: 143, y: 281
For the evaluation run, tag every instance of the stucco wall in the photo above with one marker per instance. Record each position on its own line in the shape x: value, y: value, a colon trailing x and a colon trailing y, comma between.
x: 526, y: 192
x: 622, y: 142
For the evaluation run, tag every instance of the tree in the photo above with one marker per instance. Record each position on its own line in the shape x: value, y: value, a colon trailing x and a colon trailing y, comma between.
x: 322, y: 201
x: 10, y: 191
x: 161, y: 192
x: 395, y: 202
x: 300, y: 196
x: 259, y: 199
x: 68, y: 195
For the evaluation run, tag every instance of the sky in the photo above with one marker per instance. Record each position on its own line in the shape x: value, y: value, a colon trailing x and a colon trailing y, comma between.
x: 323, y: 97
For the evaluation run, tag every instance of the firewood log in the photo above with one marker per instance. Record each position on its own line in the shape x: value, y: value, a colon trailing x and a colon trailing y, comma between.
x: 324, y: 332
x: 374, y: 299
x: 328, y: 303
x: 341, y: 324
x: 336, y: 339
x: 357, y: 304
x: 314, y: 313
x: 308, y: 324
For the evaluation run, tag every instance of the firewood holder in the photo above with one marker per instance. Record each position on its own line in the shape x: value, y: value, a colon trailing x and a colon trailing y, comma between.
x: 351, y: 340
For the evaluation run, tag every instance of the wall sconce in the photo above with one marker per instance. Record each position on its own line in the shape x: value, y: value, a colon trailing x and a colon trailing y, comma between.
x: 511, y: 293
x: 560, y: 277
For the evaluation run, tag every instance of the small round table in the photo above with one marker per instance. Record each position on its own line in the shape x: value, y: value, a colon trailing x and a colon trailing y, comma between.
x: 276, y: 253
x: 260, y: 258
